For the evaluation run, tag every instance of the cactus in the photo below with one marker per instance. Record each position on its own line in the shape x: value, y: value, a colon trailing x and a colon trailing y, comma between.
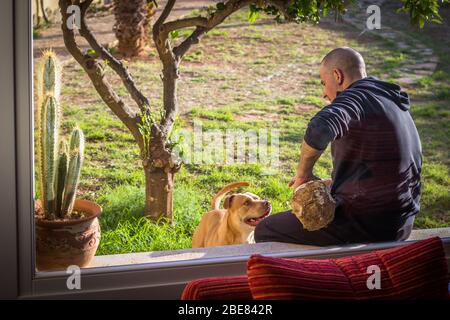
x: 48, y: 153
x: 60, y: 179
x: 47, y: 89
x: 76, y: 153
x: 59, y: 165
x: 48, y: 77
x: 47, y: 80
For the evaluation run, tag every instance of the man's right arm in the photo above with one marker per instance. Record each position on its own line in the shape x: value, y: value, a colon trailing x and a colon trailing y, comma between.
x: 333, y: 121
x: 329, y: 124
x: 308, y: 158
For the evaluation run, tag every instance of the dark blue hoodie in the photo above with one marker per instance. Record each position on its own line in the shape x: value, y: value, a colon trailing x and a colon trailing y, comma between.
x: 377, y: 155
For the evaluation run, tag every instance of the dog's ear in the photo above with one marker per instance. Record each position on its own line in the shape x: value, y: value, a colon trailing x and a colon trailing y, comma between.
x: 227, y: 202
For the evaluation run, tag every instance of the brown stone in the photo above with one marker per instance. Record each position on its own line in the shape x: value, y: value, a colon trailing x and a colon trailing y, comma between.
x: 313, y: 205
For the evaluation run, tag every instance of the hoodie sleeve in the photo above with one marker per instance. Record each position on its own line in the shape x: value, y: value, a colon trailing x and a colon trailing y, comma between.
x: 332, y: 122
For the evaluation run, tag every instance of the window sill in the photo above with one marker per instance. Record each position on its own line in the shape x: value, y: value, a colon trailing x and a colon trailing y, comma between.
x: 266, y: 248
x: 198, y: 253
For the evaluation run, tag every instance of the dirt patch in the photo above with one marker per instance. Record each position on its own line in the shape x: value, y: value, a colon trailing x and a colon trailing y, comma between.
x: 302, y: 108
x: 256, y: 115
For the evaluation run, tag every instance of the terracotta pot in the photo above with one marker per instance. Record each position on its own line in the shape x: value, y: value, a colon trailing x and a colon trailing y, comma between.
x: 60, y: 244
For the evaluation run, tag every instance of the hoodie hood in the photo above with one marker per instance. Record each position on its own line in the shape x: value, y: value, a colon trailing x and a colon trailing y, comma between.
x: 389, y: 90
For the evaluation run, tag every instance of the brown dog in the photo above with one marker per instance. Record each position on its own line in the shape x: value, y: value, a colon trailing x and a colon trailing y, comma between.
x: 233, y: 224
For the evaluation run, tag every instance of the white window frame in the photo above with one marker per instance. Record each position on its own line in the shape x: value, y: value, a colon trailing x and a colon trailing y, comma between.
x: 18, y: 277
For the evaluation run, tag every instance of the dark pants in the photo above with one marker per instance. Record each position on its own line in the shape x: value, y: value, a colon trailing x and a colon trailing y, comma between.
x: 285, y: 227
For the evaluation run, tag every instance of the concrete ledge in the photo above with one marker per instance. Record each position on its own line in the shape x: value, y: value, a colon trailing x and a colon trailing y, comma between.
x: 228, y: 251
x: 421, y: 234
x: 191, y: 254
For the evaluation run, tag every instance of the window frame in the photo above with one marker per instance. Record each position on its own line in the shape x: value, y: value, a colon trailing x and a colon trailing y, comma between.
x: 8, y: 223
x: 164, y: 280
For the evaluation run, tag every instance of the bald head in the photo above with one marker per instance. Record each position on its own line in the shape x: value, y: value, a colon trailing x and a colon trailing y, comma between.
x: 339, y: 69
x: 346, y: 59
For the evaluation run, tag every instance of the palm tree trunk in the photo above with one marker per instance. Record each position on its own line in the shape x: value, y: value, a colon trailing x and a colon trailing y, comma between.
x: 132, y: 26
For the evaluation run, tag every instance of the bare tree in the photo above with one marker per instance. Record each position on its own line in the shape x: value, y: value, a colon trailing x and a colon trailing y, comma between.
x: 151, y: 132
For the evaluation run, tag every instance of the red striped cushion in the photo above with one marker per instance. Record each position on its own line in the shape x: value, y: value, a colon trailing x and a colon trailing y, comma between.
x: 356, y: 270
x: 284, y: 279
x: 227, y: 288
x: 419, y: 270
x: 415, y: 271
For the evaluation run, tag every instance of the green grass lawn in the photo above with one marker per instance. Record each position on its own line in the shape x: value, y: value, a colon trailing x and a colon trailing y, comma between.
x: 242, y: 77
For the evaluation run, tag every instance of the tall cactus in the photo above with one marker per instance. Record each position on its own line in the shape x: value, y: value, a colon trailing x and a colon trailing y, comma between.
x: 59, y: 166
x: 48, y: 153
x: 76, y: 155
x: 47, y: 89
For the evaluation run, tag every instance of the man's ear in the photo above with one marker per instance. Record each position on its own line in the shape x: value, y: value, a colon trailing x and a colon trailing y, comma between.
x: 227, y: 202
x: 338, y: 76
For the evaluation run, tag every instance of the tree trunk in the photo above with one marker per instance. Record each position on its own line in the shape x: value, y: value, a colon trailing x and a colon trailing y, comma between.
x: 170, y: 101
x: 159, y: 194
x: 132, y: 26
x: 160, y: 164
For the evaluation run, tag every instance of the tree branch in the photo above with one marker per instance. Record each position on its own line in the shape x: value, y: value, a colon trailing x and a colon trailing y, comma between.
x: 118, y: 67
x: 165, y: 13
x: 160, y: 37
x: 217, y: 18
x: 184, y: 23
x: 96, y: 73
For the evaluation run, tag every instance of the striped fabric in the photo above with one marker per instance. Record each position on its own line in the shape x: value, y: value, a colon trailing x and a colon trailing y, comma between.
x: 226, y: 288
x: 286, y: 279
x: 355, y: 269
x: 415, y: 271
x: 419, y: 271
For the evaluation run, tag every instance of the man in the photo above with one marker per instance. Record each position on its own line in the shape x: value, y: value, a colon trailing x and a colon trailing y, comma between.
x: 376, y: 154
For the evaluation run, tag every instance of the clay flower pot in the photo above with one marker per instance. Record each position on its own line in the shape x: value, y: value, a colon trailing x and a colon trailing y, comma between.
x: 61, y: 243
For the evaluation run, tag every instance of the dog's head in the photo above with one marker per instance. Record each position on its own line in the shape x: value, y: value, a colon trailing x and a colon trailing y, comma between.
x: 246, y: 210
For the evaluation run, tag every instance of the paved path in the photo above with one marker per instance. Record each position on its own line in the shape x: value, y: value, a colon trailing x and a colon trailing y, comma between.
x: 419, y: 63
